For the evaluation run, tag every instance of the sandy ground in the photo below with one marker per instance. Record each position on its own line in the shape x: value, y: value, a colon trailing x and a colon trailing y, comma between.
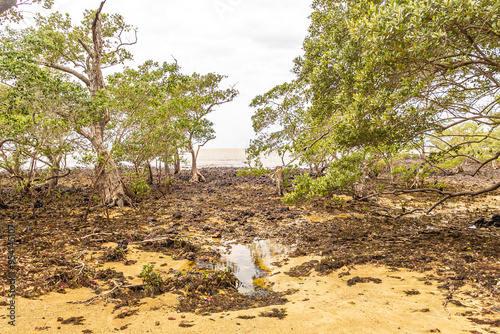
x: 322, y: 305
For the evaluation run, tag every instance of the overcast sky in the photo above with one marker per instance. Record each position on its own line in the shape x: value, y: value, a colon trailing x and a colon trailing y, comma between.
x: 253, y: 42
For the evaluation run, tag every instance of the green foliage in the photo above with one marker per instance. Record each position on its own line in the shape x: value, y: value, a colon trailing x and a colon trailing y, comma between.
x: 466, y: 141
x: 195, y: 98
x: 53, y: 85
x: 435, y: 185
x: 258, y: 170
x: 383, y: 77
x: 28, y: 133
x: 139, y: 184
x: 412, y: 174
x: 340, y: 178
x: 14, y: 14
x: 153, y: 280
x: 288, y: 175
x: 252, y: 171
x: 163, y: 111
x: 146, y: 124
x: 280, y: 110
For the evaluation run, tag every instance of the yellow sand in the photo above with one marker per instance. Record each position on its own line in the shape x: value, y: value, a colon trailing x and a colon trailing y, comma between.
x: 323, y: 305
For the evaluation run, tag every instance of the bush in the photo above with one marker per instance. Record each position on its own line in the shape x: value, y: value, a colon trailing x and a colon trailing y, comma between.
x: 341, y: 176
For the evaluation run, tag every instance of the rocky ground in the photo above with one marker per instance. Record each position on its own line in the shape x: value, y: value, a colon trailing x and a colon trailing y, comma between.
x: 171, y: 248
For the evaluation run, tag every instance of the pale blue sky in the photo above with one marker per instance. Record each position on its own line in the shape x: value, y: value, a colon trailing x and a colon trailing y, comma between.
x: 254, y: 42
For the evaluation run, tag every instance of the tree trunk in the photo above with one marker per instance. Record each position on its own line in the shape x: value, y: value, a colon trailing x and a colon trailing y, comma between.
x: 5, y: 5
x: 168, y: 176
x: 109, y: 183
x: 150, y: 174
x: 54, y: 179
x: 16, y: 158
x: 195, y: 174
x: 177, y: 163
x: 391, y: 169
x: 419, y: 181
x: 360, y: 189
x: 54, y: 173
x: 159, y: 168
x: 279, y: 181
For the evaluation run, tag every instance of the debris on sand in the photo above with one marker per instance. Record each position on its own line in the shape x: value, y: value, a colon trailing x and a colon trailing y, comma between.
x: 357, y: 279
x: 73, y: 320
x: 494, y: 222
x: 126, y: 313
x: 411, y: 292
x: 302, y: 270
x: 274, y: 313
x: 245, y: 317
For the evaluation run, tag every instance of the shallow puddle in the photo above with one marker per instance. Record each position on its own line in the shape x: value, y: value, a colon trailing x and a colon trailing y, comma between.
x: 250, y: 263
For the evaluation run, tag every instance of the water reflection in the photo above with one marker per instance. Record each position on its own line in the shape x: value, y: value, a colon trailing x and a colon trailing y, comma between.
x: 250, y: 263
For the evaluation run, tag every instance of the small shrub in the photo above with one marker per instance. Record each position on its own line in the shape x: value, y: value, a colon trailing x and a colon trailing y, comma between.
x: 153, y: 280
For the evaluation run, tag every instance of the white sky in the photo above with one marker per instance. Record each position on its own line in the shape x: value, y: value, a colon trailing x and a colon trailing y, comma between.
x: 253, y: 42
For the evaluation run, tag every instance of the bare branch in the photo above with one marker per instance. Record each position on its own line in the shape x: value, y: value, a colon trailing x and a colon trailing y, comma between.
x: 465, y: 193
x: 495, y: 157
x: 3, y: 142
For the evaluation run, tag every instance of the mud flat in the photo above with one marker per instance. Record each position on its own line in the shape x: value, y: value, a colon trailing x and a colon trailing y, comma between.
x: 228, y: 256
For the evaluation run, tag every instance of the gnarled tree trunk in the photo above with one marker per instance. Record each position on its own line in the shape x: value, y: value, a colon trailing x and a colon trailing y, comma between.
x: 109, y: 183
x: 168, y: 176
x: 195, y: 173
x: 150, y: 174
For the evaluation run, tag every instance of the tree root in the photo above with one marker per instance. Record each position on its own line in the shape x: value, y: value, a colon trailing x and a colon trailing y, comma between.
x: 196, y: 177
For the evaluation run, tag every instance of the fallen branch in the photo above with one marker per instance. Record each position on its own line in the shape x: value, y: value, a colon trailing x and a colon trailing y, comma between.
x: 80, y: 254
x: 151, y: 240
x: 82, y: 266
x: 388, y: 215
x: 94, y: 234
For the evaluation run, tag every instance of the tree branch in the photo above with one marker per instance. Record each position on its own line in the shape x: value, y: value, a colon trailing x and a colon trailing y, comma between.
x: 65, y: 69
x: 86, y: 47
x: 465, y: 193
